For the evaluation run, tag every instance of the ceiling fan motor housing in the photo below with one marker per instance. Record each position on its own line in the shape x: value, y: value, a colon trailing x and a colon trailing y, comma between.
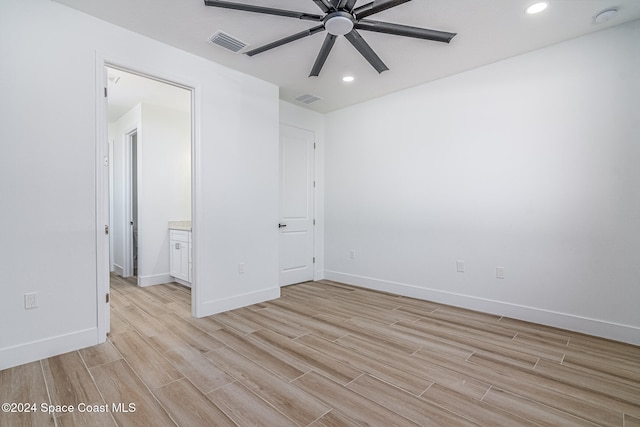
x: 339, y: 23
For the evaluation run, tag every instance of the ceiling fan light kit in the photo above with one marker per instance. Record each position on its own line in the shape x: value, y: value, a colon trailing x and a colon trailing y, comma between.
x: 338, y: 23
x: 341, y: 18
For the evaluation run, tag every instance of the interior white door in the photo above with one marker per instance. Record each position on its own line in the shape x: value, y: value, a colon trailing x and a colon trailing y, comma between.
x: 296, y: 205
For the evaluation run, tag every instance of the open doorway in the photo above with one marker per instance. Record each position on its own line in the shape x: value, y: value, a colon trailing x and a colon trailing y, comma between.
x: 150, y: 184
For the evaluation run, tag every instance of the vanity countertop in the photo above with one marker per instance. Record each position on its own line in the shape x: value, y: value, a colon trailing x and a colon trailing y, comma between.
x: 180, y: 225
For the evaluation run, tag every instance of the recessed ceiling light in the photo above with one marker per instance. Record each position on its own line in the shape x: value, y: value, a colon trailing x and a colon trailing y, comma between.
x: 605, y: 15
x: 348, y: 79
x: 536, y: 8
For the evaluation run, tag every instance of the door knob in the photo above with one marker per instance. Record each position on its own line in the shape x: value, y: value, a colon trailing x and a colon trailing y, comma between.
x: 282, y: 225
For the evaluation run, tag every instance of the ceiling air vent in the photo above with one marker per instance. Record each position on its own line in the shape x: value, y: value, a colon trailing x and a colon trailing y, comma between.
x: 228, y: 42
x: 307, y: 98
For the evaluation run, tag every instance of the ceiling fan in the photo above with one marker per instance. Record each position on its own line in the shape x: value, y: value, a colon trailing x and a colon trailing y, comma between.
x: 341, y: 18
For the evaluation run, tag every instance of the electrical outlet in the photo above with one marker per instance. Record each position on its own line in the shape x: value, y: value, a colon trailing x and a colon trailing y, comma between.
x: 241, y: 268
x: 460, y: 266
x: 500, y: 272
x: 352, y: 254
x: 30, y: 300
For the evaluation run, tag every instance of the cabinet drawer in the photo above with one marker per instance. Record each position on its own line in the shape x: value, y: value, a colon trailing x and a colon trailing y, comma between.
x: 180, y: 236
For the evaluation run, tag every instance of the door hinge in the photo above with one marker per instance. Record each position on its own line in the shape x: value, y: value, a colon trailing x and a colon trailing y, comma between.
x: 314, y: 221
x: 314, y: 184
x: 105, y: 92
x: 106, y: 229
x: 314, y: 145
x: 314, y: 260
x: 106, y: 298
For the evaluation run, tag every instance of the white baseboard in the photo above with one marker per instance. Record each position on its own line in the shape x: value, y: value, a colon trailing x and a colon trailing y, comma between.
x: 237, y: 301
x: 36, y: 350
x: 625, y: 333
x: 156, y: 279
x: 118, y: 270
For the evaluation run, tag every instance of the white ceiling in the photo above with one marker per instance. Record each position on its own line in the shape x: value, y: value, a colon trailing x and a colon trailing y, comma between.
x: 488, y: 31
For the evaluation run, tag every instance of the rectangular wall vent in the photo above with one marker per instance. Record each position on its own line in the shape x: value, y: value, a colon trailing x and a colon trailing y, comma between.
x: 307, y: 98
x: 228, y: 42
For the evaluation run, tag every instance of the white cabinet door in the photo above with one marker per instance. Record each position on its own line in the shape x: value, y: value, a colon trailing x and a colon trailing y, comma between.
x: 180, y: 260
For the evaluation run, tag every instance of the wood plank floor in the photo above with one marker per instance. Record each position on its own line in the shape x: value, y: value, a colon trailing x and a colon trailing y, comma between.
x: 327, y: 354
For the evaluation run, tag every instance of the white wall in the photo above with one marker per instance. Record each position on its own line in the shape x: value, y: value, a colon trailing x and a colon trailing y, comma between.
x: 530, y: 164
x: 48, y: 167
x: 302, y: 118
x: 164, y: 188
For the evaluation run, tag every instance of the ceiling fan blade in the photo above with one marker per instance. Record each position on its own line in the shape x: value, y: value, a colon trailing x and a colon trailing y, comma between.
x: 365, y: 50
x: 286, y: 40
x: 375, y: 7
x: 324, y: 5
x: 404, y: 30
x: 265, y: 10
x: 322, y: 55
x: 347, y: 5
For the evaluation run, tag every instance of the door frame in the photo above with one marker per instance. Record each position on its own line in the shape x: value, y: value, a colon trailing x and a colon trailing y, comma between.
x: 102, y: 168
x: 128, y: 195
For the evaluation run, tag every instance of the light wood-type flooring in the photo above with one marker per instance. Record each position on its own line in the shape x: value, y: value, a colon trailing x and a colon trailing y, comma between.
x: 327, y: 354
